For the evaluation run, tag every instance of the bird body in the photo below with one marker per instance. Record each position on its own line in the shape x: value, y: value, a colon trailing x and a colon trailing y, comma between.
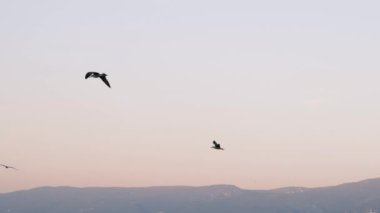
x: 98, y: 75
x: 216, y: 146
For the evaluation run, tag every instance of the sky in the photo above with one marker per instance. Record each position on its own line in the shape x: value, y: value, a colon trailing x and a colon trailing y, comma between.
x: 289, y: 88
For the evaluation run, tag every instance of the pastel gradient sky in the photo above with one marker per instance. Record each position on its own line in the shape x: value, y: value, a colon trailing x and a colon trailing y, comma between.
x: 289, y: 88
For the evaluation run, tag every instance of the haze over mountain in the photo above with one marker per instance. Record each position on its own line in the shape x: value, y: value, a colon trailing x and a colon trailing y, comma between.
x: 361, y: 196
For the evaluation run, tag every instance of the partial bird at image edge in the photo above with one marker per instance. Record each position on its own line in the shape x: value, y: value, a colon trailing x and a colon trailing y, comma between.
x: 8, y: 167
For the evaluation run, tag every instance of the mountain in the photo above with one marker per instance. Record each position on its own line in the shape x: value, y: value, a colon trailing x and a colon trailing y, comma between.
x: 357, y: 197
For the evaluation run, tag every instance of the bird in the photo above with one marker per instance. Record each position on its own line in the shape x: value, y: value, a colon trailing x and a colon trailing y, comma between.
x: 98, y: 75
x: 216, y: 146
x: 8, y: 167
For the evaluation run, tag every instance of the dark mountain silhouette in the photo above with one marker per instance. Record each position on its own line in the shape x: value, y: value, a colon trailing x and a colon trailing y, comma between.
x: 357, y: 197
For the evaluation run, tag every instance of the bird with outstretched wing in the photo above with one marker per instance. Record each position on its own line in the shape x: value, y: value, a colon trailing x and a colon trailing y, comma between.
x: 216, y: 146
x: 92, y: 74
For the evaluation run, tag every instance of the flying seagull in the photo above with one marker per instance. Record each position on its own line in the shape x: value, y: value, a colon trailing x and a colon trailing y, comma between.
x: 8, y: 167
x: 98, y: 75
x: 216, y: 146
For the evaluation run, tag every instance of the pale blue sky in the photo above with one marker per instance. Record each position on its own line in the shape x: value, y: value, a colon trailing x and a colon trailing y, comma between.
x: 290, y: 89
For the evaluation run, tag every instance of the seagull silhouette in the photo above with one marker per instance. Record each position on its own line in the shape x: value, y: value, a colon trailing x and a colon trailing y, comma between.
x: 8, y: 167
x: 216, y: 146
x: 98, y: 75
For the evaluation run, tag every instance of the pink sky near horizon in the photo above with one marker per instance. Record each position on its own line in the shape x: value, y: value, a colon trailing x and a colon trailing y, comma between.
x: 290, y: 90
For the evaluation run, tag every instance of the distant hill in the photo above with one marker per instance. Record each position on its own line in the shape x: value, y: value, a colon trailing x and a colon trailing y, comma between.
x: 357, y: 197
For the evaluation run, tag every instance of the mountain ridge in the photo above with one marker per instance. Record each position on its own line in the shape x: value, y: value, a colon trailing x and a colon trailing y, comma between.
x: 366, y: 181
x: 361, y: 196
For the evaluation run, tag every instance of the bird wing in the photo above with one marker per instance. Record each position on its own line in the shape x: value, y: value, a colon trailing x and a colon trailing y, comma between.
x: 104, y: 79
x: 89, y: 74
